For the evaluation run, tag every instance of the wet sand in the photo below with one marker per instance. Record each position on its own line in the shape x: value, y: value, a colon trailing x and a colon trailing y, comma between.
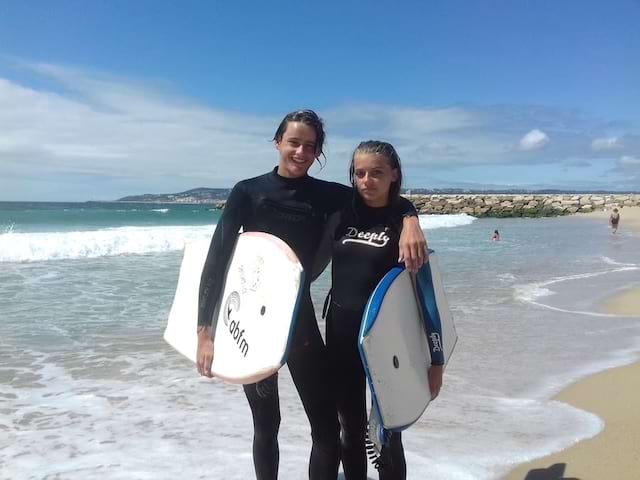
x: 613, y: 395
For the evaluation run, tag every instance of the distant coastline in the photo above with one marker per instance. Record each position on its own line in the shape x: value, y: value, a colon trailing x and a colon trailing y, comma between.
x: 507, y: 203
x: 193, y: 196
x: 216, y: 195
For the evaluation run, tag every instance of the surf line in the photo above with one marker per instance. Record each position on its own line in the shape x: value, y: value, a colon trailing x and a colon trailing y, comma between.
x: 519, y: 295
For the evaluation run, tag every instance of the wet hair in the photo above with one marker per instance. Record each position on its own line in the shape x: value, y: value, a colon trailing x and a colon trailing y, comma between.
x: 386, y: 150
x: 496, y: 232
x: 309, y: 118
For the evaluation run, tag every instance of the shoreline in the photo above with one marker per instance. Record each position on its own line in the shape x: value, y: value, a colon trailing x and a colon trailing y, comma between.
x: 613, y: 395
x: 614, y: 452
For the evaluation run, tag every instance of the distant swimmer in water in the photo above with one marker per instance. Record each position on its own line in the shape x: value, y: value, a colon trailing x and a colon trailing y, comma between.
x: 614, y: 220
x: 496, y: 236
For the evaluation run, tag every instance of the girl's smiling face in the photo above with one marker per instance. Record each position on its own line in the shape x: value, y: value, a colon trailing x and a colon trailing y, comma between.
x: 298, y: 150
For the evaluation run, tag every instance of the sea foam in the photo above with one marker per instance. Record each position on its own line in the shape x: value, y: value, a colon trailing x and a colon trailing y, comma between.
x: 533, y: 293
x: 33, y: 247
x: 432, y: 222
x: 43, y: 246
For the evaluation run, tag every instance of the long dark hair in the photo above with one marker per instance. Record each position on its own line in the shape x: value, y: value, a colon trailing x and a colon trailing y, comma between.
x: 386, y: 150
x: 310, y: 118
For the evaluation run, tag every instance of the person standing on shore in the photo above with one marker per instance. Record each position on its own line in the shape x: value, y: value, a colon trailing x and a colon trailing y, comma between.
x: 293, y: 206
x: 364, y: 248
x: 614, y: 220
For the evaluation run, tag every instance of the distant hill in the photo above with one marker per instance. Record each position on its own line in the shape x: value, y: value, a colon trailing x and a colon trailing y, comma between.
x: 195, y: 195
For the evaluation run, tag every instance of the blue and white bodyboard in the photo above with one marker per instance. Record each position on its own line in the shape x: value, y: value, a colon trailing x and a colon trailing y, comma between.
x: 402, y: 317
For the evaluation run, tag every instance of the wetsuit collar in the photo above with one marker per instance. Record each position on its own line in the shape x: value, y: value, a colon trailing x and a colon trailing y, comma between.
x: 362, y: 207
x: 286, y: 180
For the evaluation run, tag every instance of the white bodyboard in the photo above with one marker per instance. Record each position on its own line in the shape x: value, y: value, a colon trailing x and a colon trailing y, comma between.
x: 257, y: 311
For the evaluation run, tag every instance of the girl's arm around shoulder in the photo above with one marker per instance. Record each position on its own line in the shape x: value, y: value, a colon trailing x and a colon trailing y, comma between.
x: 334, y: 196
x: 405, y: 208
x: 413, y: 245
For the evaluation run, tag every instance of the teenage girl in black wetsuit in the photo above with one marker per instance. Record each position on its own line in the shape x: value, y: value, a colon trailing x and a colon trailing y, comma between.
x: 365, y: 246
x: 286, y: 202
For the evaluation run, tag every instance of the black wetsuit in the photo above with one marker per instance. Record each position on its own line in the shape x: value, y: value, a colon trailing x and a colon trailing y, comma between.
x: 296, y: 211
x: 365, y: 248
x: 615, y: 219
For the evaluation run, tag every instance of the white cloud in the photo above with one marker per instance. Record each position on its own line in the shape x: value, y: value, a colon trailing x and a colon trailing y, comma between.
x: 627, y: 170
x: 534, y: 140
x: 106, y: 128
x: 413, y: 123
x: 123, y: 137
x: 404, y: 122
x: 606, y: 144
x: 577, y: 164
x: 628, y: 163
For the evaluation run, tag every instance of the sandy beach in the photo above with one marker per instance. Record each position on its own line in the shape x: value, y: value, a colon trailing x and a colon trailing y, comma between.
x: 626, y: 303
x: 613, y: 395
x: 629, y: 218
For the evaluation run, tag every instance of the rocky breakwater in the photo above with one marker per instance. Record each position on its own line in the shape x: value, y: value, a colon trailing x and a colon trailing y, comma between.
x: 534, y: 205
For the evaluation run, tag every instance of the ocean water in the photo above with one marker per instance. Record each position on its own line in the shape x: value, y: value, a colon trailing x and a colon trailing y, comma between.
x: 88, y: 388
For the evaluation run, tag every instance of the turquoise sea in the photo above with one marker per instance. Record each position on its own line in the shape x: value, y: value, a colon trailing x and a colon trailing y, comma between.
x: 88, y: 388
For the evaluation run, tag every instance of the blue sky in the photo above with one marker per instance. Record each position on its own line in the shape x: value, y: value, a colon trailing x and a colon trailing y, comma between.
x: 103, y: 99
